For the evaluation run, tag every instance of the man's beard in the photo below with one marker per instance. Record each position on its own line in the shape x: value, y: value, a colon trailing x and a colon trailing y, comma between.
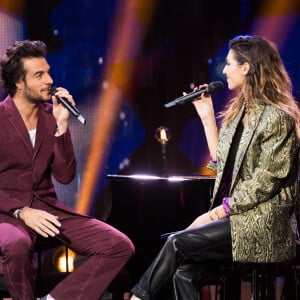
x: 34, y: 97
x: 35, y: 100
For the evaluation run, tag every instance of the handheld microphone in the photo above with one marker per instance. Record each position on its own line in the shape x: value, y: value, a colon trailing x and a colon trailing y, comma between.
x: 213, y: 87
x: 71, y: 108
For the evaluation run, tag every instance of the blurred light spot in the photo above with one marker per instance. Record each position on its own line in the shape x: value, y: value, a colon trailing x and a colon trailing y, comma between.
x: 125, y: 163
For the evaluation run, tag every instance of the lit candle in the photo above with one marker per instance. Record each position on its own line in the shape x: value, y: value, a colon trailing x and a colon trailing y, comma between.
x: 163, y: 135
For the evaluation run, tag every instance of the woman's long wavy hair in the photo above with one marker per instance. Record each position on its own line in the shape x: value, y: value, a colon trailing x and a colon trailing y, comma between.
x: 267, y: 81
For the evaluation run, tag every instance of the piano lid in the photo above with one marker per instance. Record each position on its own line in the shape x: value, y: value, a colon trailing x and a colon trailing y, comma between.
x: 153, y: 177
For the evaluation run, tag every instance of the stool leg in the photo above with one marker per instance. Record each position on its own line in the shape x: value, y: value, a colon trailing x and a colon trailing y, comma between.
x: 289, y: 290
x: 231, y: 285
x: 255, y: 295
x: 39, y: 272
x: 67, y: 259
x: 262, y: 285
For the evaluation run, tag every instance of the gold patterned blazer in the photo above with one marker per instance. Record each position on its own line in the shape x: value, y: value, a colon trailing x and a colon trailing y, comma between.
x: 264, y: 190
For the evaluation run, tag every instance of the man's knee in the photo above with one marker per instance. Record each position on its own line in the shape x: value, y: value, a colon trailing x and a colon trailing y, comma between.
x: 21, y: 246
x: 126, y: 246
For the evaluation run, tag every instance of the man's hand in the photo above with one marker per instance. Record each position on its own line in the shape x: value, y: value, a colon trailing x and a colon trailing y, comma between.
x: 40, y: 221
x: 60, y: 112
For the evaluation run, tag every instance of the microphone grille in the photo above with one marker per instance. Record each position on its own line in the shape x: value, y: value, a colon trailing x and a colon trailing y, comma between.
x: 215, y: 87
x: 53, y: 90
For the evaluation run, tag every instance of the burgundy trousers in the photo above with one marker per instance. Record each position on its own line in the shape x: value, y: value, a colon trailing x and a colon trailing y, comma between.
x: 107, y: 250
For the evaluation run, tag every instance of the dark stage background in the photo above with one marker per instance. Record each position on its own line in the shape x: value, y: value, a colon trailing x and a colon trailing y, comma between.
x: 124, y: 59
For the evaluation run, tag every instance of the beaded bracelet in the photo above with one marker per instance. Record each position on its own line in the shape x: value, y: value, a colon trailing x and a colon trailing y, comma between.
x: 226, y: 207
x: 214, y: 161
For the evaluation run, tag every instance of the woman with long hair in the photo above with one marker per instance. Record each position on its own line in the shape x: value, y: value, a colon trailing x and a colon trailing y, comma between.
x: 255, y: 155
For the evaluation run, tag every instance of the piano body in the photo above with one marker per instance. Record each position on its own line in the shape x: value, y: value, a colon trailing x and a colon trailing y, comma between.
x: 145, y: 207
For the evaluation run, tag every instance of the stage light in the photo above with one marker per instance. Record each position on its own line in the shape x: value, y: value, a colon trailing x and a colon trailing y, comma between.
x: 163, y: 135
x: 63, y: 259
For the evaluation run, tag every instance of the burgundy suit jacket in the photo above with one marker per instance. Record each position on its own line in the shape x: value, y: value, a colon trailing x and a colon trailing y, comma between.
x: 26, y: 171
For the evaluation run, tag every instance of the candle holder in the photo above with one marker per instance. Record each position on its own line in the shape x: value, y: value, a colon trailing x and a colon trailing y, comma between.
x: 163, y: 135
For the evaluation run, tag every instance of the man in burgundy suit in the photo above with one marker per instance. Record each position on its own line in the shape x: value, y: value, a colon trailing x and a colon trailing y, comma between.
x: 35, y: 144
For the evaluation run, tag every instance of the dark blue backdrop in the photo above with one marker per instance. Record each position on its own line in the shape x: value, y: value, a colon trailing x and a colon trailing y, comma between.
x: 185, y: 44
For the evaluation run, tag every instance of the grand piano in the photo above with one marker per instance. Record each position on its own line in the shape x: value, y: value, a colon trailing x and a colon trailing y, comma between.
x: 145, y: 207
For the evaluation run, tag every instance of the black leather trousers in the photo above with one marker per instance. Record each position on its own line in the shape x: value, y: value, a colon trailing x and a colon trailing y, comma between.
x: 196, y: 246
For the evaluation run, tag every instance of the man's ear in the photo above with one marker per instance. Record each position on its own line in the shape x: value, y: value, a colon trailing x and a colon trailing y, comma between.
x: 20, y: 84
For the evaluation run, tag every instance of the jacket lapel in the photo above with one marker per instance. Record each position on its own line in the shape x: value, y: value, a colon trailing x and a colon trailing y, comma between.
x: 225, y: 142
x: 42, y: 127
x: 246, y: 138
x: 17, y: 123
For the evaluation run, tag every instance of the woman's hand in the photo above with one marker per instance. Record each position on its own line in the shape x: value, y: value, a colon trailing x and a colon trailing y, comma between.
x: 204, y: 105
x: 201, y: 220
x: 213, y: 215
x: 205, y: 110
